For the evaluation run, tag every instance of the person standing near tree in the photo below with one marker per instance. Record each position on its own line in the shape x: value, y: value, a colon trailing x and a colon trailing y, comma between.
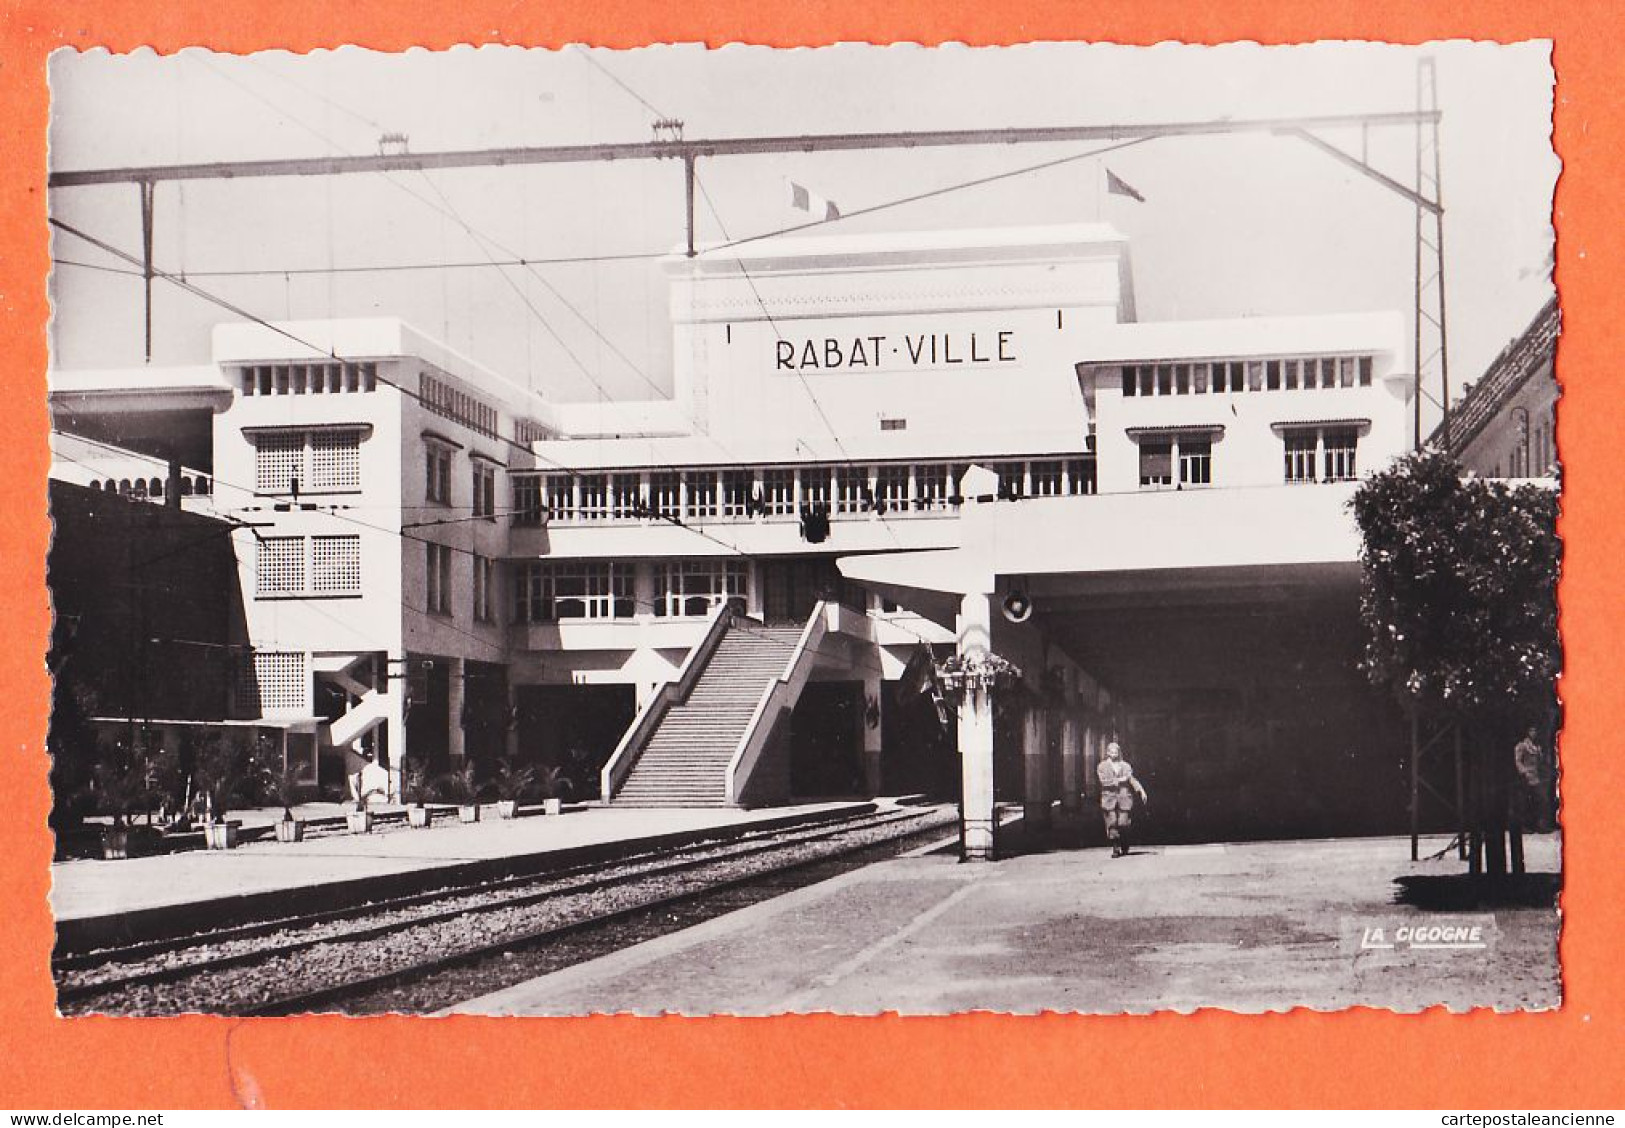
x: 1118, y: 790
x: 1531, y: 808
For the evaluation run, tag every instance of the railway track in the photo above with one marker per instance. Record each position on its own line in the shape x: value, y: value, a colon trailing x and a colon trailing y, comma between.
x: 400, y: 950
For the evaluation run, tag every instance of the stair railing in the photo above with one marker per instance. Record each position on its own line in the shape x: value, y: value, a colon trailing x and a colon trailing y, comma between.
x: 674, y: 692
x: 780, y: 694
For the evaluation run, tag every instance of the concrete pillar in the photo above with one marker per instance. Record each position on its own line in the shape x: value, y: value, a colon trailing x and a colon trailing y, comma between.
x: 395, y: 726
x: 1071, y: 762
x: 976, y: 734
x: 172, y: 484
x: 456, y: 696
x: 1036, y: 793
x: 872, y: 689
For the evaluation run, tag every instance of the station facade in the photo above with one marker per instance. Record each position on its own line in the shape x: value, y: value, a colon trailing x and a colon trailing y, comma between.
x: 875, y: 447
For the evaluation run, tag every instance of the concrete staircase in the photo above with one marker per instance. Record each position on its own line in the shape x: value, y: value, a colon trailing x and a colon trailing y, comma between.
x: 685, y: 762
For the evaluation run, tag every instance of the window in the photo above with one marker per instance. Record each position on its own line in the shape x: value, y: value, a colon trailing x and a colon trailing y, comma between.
x: 437, y: 473
x: 891, y: 488
x: 308, y: 379
x: 692, y: 588
x: 335, y: 460
x: 1011, y: 479
x: 852, y: 489
x: 1080, y: 476
x: 1340, y: 444
x: 815, y: 486
x: 627, y: 496
x: 484, y: 583
x: 485, y: 490
x: 931, y: 490
x: 1156, y: 462
x: 1195, y: 460
x: 308, y: 566
x: 1300, y: 456
x: 665, y: 494
x: 273, y: 681
x: 280, y: 566
x: 779, y: 492
x: 701, y: 487
x: 551, y: 592
x: 594, y: 497
x: 300, y: 461
x: 1046, y: 479
x: 737, y: 492
x: 894, y: 424
x: 527, y: 500
x: 559, y: 496
x: 459, y: 406
x: 335, y: 565
x: 1321, y: 454
x: 1179, y: 458
x: 279, y: 461
x: 438, y: 575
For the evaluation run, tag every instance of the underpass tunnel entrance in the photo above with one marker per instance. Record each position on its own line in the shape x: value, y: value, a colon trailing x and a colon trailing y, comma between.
x: 1241, y: 707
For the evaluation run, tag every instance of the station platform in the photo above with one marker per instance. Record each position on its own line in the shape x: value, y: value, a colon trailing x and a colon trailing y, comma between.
x: 1249, y: 927
x: 117, y: 900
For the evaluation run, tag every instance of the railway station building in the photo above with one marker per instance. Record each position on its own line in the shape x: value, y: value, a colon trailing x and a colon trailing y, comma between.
x: 879, y: 451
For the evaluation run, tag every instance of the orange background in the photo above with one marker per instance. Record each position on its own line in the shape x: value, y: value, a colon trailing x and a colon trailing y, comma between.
x: 1566, y: 1059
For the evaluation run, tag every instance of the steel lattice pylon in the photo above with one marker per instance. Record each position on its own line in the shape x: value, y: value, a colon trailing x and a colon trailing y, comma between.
x: 1432, y: 355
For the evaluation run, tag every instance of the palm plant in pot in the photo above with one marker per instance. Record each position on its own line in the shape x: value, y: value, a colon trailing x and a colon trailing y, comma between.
x: 554, y: 785
x: 513, y: 781
x: 460, y: 788
x: 219, y: 777
x: 122, y: 779
x: 415, y: 786
x: 286, y: 785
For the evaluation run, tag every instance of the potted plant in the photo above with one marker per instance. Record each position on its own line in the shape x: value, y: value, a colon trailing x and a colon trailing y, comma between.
x: 123, y: 783
x: 286, y: 782
x: 460, y: 788
x: 219, y: 776
x: 512, y: 782
x: 554, y: 785
x: 416, y: 788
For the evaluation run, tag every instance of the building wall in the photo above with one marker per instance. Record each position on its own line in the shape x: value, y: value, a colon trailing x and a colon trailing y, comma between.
x: 1506, y: 423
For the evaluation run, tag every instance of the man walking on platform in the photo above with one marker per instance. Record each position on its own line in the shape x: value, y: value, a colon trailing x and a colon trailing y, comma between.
x: 1118, y: 789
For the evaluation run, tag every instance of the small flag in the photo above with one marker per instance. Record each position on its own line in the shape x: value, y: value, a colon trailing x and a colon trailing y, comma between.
x: 1116, y: 186
x: 811, y: 202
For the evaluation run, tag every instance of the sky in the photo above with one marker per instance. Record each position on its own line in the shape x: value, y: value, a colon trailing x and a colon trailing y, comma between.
x: 1230, y: 226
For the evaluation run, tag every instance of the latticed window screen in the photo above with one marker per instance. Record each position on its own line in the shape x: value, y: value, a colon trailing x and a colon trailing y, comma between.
x: 281, y: 566
x: 279, y: 458
x: 335, y: 565
x: 335, y: 460
x: 282, y: 679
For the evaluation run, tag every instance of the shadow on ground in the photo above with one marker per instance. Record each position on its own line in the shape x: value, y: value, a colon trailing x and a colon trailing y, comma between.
x: 1459, y: 891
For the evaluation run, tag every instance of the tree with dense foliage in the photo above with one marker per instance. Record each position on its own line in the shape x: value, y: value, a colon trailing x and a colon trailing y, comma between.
x: 1459, y: 600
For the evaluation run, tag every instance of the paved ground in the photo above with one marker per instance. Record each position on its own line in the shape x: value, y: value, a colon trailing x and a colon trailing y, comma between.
x: 91, y: 888
x: 1252, y: 927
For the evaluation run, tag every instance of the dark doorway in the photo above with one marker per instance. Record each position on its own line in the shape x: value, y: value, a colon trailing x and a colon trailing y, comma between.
x: 826, y: 744
x: 575, y: 727
x: 428, y: 713
x: 917, y: 753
